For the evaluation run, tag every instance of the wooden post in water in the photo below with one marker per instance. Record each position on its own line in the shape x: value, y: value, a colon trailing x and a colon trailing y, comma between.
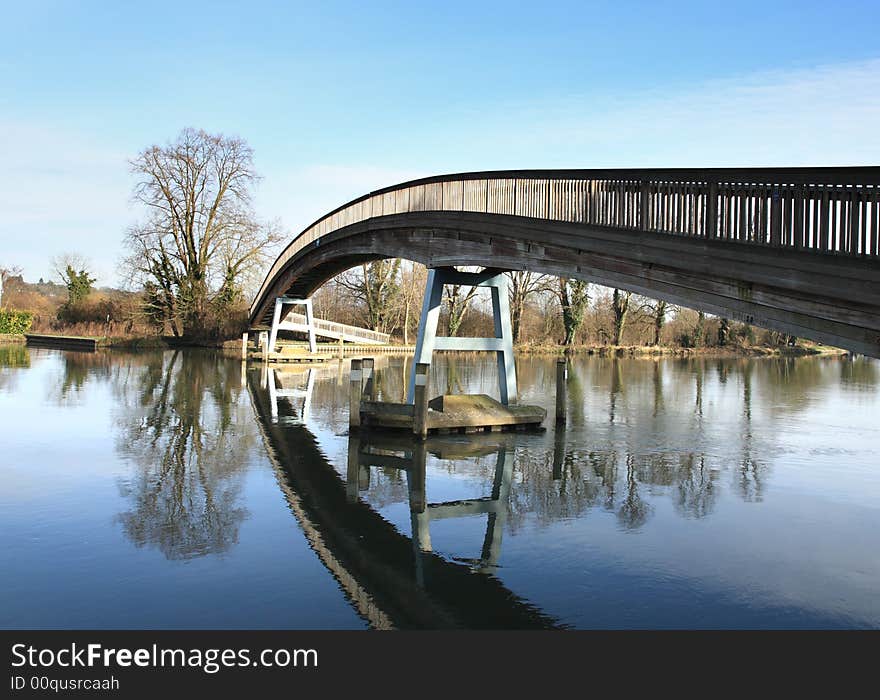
x: 341, y: 347
x: 364, y: 477
x: 420, y: 404
x: 264, y: 343
x: 368, y: 364
x: 354, y: 399
x: 415, y: 478
x: 353, y: 472
x: 558, y: 454
x: 561, y: 374
x: 244, y: 339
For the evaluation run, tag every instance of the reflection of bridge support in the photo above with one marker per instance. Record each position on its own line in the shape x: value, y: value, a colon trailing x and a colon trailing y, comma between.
x: 495, y: 507
x: 277, y: 317
x: 271, y: 380
x: 411, y: 456
x: 501, y: 344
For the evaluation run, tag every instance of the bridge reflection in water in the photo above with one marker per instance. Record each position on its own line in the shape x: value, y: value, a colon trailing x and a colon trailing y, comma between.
x: 393, y: 580
x: 410, y: 456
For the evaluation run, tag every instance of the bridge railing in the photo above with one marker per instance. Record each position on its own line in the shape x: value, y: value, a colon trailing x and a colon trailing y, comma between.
x: 340, y: 328
x: 822, y: 210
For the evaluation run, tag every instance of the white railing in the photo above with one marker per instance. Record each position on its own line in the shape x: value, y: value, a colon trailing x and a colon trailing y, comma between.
x: 331, y: 329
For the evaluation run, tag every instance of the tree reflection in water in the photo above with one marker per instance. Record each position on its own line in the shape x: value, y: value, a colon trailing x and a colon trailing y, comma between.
x: 664, y: 422
x: 13, y: 357
x: 188, y: 431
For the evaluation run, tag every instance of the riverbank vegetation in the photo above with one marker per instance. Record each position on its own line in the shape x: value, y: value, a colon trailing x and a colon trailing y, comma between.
x: 547, y: 314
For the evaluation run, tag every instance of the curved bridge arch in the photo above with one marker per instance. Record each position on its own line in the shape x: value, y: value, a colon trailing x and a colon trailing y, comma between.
x: 796, y: 250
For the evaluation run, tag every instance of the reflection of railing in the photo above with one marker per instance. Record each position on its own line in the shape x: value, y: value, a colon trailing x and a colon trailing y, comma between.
x: 830, y: 210
x: 331, y: 329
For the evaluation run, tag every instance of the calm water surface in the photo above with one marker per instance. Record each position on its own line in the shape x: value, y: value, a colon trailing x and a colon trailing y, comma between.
x: 175, y: 489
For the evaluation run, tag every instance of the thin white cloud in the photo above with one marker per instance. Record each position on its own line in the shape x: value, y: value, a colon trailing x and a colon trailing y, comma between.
x: 822, y: 116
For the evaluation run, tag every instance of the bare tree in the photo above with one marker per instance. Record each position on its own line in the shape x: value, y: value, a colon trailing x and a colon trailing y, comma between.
x: 723, y: 331
x: 5, y: 274
x: 657, y: 311
x: 620, y: 308
x: 200, y: 238
x: 574, y: 296
x: 413, y: 288
x: 377, y: 286
x: 62, y: 265
x: 522, y: 286
x: 458, y: 302
x: 700, y: 330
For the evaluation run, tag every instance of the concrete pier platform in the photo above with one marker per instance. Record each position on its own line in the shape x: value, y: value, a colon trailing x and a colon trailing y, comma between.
x: 454, y: 413
x: 288, y: 354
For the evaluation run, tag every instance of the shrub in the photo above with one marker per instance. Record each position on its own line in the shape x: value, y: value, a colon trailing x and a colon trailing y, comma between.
x: 91, y: 311
x: 15, y: 322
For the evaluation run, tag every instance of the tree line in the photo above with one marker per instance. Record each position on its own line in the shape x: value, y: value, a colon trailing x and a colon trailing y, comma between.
x: 386, y: 296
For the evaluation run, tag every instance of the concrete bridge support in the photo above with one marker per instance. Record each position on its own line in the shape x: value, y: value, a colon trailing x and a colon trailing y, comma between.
x: 502, y: 344
x: 278, y: 316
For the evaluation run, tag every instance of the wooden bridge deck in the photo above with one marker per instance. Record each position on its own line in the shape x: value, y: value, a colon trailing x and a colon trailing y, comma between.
x: 796, y: 250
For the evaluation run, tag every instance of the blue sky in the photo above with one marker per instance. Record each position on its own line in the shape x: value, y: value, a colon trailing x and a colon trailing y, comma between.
x: 340, y: 98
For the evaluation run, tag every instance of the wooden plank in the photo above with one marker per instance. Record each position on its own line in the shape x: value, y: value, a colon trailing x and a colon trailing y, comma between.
x: 874, y: 243
x: 776, y: 217
x: 712, y: 212
x: 824, y: 221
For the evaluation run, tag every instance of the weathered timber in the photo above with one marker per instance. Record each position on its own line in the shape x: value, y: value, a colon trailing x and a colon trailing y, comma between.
x: 420, y: 399
x: 369, y: 379
x: 561, y: 375
x: 354, y: 403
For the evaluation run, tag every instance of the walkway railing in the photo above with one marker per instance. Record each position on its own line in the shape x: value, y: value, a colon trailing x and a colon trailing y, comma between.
x: 331, y: 329
x: 822, y: 210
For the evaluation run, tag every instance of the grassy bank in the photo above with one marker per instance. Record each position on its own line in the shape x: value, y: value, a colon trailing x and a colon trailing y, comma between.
x: 800, y: 350
x: 803, y: 348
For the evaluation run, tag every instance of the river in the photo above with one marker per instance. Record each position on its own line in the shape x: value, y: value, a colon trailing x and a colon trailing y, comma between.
x: 173, y: 489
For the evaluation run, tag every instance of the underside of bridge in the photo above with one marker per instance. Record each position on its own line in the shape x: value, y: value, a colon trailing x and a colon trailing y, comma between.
x: 831, y: 299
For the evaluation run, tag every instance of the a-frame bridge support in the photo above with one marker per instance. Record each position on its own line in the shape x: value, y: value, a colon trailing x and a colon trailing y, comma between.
x: 277, y: 316
x: 502, y: 344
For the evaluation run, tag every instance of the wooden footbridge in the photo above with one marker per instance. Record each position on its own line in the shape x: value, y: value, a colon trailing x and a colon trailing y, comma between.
x: 795, y: 250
